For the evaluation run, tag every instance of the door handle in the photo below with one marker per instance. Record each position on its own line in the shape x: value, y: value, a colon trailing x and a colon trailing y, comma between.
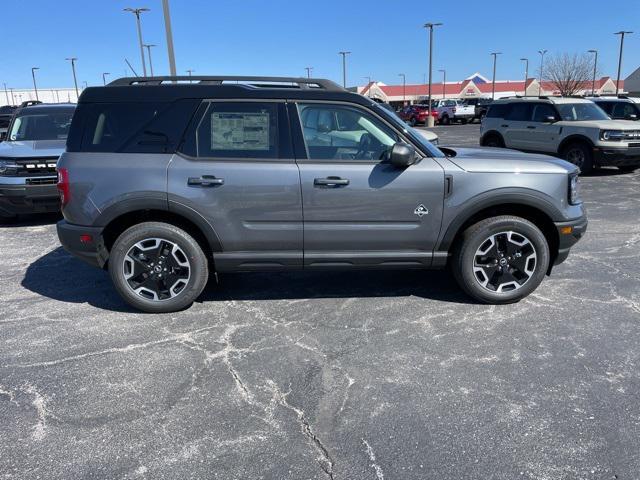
x: 531, y: 127
x: 330, y: 182
x: 504, y: 126
x: 205, y: 181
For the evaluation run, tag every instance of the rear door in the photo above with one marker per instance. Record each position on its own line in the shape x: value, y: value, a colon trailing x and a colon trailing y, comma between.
x: 516, y: 131
x: 237, y: 171
x: 359, y: 210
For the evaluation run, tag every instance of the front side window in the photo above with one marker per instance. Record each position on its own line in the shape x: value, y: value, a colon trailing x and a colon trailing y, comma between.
x: 41, y: 126
x: 578, y: 112
x: 238, y: 130
x: 624, y: 110
x: 542, y: 111
x: 337, y: 132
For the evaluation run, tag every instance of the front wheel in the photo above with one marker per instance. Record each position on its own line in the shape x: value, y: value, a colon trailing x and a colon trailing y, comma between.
x: 501, y: 259
x: 580, y: 155
x: 158, y: 268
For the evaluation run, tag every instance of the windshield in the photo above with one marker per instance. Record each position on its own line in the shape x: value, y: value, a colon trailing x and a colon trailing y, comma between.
x: 41, y: 126
x: 425, y: 144
x: 577, y: 112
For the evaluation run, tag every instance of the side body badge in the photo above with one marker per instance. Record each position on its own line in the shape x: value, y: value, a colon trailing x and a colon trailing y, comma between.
x: 421, y: 210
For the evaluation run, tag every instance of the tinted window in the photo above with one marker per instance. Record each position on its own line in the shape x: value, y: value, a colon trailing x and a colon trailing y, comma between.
x: 624, y: 110
x: 109, y: 126
x: 606, y: 106
x: 238, y: 130
x: 41, y: 125
x: 520, y: 112
x: 498, y: 110
x: 541, y: 111
x: 336, y: 132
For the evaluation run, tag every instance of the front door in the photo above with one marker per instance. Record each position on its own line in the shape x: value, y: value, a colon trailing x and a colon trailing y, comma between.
x: 237, y: 171
x: 543, y: 135
x: 359, y: 210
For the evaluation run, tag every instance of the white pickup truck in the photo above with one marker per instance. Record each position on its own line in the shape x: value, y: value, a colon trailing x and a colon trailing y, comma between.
x: 450, y: 110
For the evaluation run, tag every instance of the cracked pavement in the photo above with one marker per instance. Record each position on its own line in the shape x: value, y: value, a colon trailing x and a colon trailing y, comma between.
x: 357, y: 375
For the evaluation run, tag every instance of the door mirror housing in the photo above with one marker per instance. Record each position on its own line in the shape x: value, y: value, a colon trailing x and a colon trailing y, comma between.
x: 402, y: 155
x: 550, y: 119
x: 631, y: 116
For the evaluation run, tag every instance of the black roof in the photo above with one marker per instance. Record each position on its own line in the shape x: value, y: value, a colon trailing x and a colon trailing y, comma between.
x: 167, y: 89
x: 47, y: 108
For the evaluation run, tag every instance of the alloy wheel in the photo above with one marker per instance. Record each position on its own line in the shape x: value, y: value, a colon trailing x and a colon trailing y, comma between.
x: 504, y: 262
x: 576, y: 156
x: 156, y: 269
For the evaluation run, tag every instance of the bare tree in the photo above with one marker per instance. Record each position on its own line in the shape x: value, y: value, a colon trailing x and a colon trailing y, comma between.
x: 569, y: 73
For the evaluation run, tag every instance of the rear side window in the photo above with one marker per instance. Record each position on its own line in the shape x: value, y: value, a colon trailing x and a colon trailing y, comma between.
x: 498, y: 110
x: 520, y: 112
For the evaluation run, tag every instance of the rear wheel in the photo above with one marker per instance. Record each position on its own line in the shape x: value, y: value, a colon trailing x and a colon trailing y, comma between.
x: 628, y: 168
x: 494, y: 141
x: 501, y: 259
x: 413, y: 121
x: 580, y: 155
x: 445, y: 120
x: 157, y: 267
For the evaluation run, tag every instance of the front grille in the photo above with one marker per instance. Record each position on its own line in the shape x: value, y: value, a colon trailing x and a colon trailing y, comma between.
x: 41, y: 181
x: 634, y: 145
x: 29, y: 167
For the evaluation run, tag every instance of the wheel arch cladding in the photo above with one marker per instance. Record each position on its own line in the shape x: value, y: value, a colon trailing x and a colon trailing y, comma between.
x: 577, y: 138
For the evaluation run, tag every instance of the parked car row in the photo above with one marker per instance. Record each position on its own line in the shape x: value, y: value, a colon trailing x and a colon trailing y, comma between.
x: 443, y: 111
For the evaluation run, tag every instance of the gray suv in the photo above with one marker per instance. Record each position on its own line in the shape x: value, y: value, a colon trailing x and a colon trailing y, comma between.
x: 164, y: 181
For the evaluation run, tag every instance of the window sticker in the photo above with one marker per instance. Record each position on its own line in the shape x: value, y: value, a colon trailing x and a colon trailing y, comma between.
x: 240, y: 131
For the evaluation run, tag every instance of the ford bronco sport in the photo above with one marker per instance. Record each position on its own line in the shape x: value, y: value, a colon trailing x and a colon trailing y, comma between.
x: 575, y: 129
x: 164, y: 181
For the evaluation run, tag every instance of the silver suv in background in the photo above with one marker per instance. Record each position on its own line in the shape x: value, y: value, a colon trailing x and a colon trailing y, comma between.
x: 164, y: 181
x: 575, y: 129
x: 35, y: 139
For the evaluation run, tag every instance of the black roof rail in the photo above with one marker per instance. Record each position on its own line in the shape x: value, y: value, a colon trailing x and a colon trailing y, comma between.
x: 259, y: 82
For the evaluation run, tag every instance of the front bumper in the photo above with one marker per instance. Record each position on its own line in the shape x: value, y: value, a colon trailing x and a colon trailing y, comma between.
x: 93, y: 252
x: 17, y: 197
x: 617, y: 156
x: 569, y: 233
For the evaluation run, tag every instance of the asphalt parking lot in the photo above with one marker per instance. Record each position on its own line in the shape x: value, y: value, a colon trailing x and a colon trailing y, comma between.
x: 373, y: 375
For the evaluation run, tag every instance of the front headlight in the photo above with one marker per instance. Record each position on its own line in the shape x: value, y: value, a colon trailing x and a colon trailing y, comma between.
x: 574, y: 189
x: 8, y: 167
x: 611, y: 135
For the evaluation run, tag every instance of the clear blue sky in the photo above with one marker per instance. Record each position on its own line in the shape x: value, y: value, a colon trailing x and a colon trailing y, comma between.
x: 278, y: 37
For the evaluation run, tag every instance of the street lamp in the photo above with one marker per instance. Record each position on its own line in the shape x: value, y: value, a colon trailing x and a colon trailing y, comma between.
x: 369, y: 85
x: 430, y: 26
x: 13, y: 98
x: 6, y: 93
x: 33, y: 75
x: 526, y: 74
x: 404, y: 88
x: 309, y: 70
x: 86, y: 85
x: 137, y: 12
x: 622, y: 34
x: 104, y: 77
x: 169, y: 35
x: 73, y: 69
x: 148, y: 47
x: 493, y: 81
x: 344, y: 67
x: 189, y: 71
x: 444, y: 82
x: 595, y: 68
x: 542, y: 53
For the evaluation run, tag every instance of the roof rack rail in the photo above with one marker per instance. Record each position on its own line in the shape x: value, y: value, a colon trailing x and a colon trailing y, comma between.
x: 261, y: 82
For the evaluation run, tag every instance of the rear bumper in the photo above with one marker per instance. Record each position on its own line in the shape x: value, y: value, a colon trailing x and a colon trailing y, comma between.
x: 464, y: 116
x: 21, y: 198
x: 569, y: 233
x: 617, y: 157
x: 93, y: 252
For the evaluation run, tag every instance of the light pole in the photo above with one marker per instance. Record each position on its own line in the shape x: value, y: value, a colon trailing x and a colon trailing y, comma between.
x: 73, y: 69
x: 622, y: 34
x: 369, y: 85
x: 404, y: 88
x: 167, y: 28
x: 86, y: 85
x: 541, y: 52
x: 493, y: 81
x: 104, y: 77
x: 444, y: 82
x: 595, y: 68
x: 189, y: 71
x: 526, y: 74
x: 33, y: 75
x: 148, y: 47
x: 137, y: 12
x: 6, y: 93
x: 344, y: 67
x: 309, y: 70
x: 13, y: 98
x: 430, y: 26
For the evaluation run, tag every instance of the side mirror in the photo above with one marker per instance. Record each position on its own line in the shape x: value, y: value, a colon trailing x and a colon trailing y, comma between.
x: 402, y: 155
x: 632, y: 116
x: 550, y: 119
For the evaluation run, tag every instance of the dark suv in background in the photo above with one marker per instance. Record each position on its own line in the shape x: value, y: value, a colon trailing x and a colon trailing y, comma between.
x: 619, y: 108
x: 163, y: 181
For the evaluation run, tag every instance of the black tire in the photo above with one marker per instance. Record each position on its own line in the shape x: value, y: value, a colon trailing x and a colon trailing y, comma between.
x: 525, y: 265
x: 628, y: 168
x: 7, y: 219
x: 188, y: 252
x: 445, y: 120
x: 464, y: 121
x: 413, y: 121
x: 580, y: 154
x: 493, y: 140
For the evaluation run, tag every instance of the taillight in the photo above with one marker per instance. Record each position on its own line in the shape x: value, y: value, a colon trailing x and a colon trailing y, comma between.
x: 63, y: 186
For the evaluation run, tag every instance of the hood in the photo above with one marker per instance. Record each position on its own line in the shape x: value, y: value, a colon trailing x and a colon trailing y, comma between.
x: 32, y: 148
x: 502, y: 160
x: 429, y: 135
x: 602, y: 124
